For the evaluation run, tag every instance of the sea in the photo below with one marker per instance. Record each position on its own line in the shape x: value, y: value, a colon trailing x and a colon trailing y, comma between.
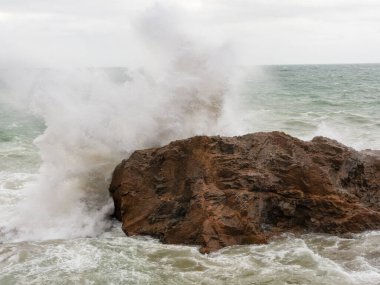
x: 62, y: 132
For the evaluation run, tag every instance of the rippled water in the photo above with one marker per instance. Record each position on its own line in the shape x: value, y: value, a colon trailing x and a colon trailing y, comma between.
x: 339, y: 101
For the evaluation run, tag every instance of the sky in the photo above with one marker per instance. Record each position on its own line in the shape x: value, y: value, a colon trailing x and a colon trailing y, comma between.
x: 95, y: 33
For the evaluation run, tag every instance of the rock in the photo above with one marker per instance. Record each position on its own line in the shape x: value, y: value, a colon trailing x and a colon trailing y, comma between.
x: 221, y: 191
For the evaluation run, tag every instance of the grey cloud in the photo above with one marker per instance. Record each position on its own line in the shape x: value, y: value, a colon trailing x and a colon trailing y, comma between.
x: 99, y: 32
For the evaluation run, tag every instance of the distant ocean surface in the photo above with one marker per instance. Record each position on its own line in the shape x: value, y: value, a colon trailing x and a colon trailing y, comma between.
x: 63, y: 131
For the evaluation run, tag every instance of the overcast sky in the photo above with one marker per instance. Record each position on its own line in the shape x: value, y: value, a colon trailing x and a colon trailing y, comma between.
x: 102, y: 32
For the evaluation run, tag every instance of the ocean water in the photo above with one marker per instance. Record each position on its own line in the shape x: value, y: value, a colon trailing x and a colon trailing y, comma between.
x: 62, y: 131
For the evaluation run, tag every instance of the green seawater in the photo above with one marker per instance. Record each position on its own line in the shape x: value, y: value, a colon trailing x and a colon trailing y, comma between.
x: 338, y: 101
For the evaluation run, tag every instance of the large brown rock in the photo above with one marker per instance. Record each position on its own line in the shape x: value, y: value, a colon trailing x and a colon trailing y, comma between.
x: 220, y: 191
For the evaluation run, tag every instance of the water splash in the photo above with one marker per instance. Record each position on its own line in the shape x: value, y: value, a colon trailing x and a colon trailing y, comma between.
x: 96, y: 117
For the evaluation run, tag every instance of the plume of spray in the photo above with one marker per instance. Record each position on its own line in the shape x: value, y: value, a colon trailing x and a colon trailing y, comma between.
x: 96, y: 117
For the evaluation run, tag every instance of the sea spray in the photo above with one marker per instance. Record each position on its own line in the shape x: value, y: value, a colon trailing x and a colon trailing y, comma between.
x: 288, y: 105
x: 93, y: 120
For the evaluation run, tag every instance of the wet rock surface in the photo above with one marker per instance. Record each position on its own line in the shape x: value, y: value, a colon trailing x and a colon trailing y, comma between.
x: 221, y: 191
